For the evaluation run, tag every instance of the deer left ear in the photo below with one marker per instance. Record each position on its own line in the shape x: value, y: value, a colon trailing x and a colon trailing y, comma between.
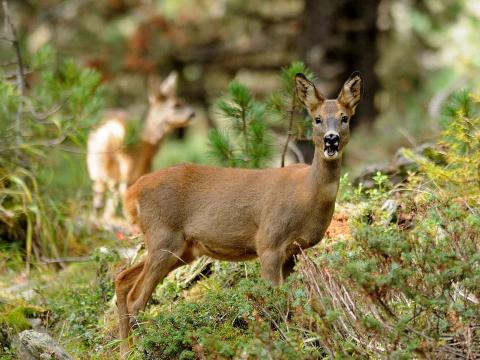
x: 352, y: 91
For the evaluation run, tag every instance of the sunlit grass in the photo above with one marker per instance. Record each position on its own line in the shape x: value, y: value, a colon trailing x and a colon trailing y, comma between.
x: 192, y: 149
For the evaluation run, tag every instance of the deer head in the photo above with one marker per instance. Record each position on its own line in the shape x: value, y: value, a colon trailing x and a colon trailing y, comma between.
x: 331, y: 118
x: 166, y: 111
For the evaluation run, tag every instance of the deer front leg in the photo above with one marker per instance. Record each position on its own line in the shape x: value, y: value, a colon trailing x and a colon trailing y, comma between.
x: 271, y: 262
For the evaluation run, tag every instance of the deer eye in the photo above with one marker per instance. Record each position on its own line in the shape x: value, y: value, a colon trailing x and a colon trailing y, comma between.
x: 345, y: 119
x: 318, y: 120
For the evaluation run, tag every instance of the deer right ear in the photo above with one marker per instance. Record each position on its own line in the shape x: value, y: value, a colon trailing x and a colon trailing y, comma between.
x: 307, y: 93
x: 169, y: 85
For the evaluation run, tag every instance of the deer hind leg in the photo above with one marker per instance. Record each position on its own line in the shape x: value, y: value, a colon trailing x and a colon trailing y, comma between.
x: 165, y: 249
x: 123, y: 284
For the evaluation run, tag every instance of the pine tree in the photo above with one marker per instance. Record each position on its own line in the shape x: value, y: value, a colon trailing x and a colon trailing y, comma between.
x: 283, y: 105
x: 246, y: 142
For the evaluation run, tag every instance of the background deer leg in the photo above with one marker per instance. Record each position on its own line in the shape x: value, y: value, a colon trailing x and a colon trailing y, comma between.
x: 123, y: 283
x: 98, y: 188
x: 271, y: 262
x: 122, y: 188
x: 161, y: 259
x: 112, y: 201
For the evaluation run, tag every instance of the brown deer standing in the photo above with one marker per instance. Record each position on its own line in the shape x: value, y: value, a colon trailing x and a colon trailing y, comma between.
x: 237, y: 214
x: 112, y: 163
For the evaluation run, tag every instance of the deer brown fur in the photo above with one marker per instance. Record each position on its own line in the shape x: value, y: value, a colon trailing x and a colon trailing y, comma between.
x: 187, y: 211
x: 112, y: 163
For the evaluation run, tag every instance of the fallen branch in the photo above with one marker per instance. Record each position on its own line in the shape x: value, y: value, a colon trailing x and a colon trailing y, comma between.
x: 44, y: 260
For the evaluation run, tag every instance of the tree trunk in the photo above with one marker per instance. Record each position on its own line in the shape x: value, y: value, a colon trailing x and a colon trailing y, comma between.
x: 339, y: 37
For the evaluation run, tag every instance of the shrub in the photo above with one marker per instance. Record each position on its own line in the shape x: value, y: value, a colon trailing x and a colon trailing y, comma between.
x: 410, y: 288
x: 61, y: 104
x: 246, y: 318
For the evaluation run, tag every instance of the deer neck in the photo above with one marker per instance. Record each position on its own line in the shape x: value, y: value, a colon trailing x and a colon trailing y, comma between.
x: 324, y: 176
x: 144, y: 153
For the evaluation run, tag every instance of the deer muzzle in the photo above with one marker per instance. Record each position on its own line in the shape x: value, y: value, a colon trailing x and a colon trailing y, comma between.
x: 331, y: 143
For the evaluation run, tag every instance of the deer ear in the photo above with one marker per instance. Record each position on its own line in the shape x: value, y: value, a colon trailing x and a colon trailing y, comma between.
x: 352, y: 91
x: 169, y: 85
x: 307, y: 93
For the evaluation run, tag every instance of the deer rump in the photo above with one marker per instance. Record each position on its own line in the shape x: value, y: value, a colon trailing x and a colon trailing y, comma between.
x: 105, y: 145
x: 224, y: 213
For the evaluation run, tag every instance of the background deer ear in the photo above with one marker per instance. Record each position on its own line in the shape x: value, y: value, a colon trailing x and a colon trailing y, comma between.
x: 169, y: 85
x: 351, y: 91
x: 307, y: 92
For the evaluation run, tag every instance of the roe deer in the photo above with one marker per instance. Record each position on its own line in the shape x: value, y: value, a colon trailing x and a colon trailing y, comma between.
x: 238, y: 214
x: 112, y: 163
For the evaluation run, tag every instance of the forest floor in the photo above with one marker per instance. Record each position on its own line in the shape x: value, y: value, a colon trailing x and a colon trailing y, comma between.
x: 76, y: 304
x: 397, y: 276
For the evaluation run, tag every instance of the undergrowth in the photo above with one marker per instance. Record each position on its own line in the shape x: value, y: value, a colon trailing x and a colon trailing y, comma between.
x: 408, y: 285
x: 55, y: 113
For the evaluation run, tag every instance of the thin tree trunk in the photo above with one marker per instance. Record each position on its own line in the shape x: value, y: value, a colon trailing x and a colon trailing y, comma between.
x: 12, y: 37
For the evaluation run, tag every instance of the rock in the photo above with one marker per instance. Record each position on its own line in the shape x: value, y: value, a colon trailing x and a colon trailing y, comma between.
x: 390, y: 207
x: 34, y: 345
x: 397, y: 169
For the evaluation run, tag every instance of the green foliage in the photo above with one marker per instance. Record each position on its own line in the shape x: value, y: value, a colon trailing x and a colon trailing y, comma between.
x: 459, y: 173
x: 283, y: 103
x: 244, y: 318
x: 134, y: 130
x: 55, y: 112
x: 78, y: 311
x: 247, y: 142
x: 14, y: 317
x: 414, y: 280
x: 194, y: 150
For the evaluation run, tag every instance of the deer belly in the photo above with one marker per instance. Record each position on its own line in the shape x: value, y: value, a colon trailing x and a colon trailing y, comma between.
x: 222, y: 241
x: 226, y: 251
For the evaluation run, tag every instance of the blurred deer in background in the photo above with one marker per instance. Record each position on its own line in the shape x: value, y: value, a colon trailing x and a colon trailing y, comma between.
x: 112, y: 164
x: 230, y: 214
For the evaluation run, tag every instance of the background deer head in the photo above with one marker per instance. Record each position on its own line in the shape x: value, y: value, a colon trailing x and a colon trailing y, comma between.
x: 166, y: 111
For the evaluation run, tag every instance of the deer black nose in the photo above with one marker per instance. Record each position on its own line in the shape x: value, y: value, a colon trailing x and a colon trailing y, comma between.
x: 332, y: 139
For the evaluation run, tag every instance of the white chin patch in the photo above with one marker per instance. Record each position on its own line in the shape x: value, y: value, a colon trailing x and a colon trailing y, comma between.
x: 330, y: 155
